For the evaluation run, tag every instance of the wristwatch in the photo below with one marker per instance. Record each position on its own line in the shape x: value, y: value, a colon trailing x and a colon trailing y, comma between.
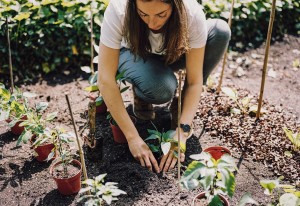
x: 185, y: 127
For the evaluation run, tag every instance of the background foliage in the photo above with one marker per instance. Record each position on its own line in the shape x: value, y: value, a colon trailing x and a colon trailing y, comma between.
x: 50, y: 35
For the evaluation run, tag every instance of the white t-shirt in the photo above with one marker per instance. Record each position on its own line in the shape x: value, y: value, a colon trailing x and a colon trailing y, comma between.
x: 112, y: 26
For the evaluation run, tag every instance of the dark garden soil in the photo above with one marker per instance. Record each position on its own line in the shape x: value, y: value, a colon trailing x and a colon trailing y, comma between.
x: 258, y: 146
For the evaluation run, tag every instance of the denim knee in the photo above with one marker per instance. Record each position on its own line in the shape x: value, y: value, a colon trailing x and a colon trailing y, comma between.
x: 222, y: 31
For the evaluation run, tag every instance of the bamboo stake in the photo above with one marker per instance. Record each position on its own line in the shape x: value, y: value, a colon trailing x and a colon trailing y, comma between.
x: 178, y: 126
x: 10, y: 60
x: 78, y: 143
x: 92, y: 40
x: 272, y: 16
x: 225, y: 54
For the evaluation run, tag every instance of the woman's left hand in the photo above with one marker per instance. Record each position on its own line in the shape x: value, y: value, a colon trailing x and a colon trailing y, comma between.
x: 169, y: 161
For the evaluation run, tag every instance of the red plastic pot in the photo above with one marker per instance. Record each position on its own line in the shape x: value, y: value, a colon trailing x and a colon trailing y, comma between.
x: 101, y: 109
x: 201, y: 195
x: 43, y: 151
x: 68, y: 186
x: 119, y: 136
x: 16, y: 129
x: 217, y: 151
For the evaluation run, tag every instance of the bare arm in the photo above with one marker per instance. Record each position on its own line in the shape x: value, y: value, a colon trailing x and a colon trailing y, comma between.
x: 107, y: 69
x: 194, y: 71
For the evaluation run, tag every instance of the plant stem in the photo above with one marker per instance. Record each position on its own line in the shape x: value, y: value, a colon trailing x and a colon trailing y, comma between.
x: 78, y: 143
x: 10, y: 60
x: 225, y: 54
x: 178, y: 126
x: 263, y: 79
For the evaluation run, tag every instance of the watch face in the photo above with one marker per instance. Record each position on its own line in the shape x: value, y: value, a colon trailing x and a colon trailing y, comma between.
x: 185, y: 127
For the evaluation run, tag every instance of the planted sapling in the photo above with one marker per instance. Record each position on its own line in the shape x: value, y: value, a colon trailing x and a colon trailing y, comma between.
x: 101, y: 192
x: 214, y: 176
x: 294, y: 138
x: 244, y: 106
x: 163, y: 142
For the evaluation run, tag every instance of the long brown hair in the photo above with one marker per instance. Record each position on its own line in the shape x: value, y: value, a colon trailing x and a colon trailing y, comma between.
x: 175, y: 33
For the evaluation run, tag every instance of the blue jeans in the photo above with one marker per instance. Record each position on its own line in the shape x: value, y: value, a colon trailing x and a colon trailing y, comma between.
x: 155, y: 82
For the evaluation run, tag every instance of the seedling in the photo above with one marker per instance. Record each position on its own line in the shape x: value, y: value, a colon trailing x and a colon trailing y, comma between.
x: 101, y: 192
x: 285, y: 195
x: 294, y: 138
x: 243, y: 104
x: 214, y: 176
x: 36, y: 125
x: 163, y: 142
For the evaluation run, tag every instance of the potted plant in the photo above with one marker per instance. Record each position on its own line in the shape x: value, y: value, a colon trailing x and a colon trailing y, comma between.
x: 217, y: 151
x: 37, y: 132
x: 100, y: 193
x: 161, y: 143
x: 13, y: 107
x: 118, y: 135
x: 66, y: 171
x: 214, y: 176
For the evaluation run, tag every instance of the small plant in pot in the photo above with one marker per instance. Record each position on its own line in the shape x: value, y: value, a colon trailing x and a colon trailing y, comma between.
x: 37, y: 132
x: 118, y: 135
x: 215, y: 177
x: 161, y: 143
x: 100, y: 192
x: 66, y: 171
x: 13, y: 107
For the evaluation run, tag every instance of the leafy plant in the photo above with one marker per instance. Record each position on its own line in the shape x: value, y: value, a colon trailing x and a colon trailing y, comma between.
x: 244, y: 106
x: 163, y: 142
x: 14, y: 105
x: 285, y: 195
x: 214, y: 176
x: 100, y: 193
x: 294, y: 138
x: 35, y: 125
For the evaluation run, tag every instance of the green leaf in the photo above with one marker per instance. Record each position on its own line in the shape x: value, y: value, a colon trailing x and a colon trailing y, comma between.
x: 41, y: 106
x: 153, y: 148
x: 107, y: 198
x: 21, y: 16
x: 92, y: 88
x: 165, y: 147
x: 150, y: 131
x: 289, y: 199
x: 245, y: 102
x: 216, y: 201
x: 51, y: 116
x: 152, y: 137
x: 100, y: 177
x: 230, y: 92
x: 247, y: 199
x: 124, y: 89
x: 93, y: 78
x: 235, y: 111
x: 168, y: 135
x: 269, y: 185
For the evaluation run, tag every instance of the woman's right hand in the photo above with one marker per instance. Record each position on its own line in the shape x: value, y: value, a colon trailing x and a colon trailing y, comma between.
x: 141, y: 152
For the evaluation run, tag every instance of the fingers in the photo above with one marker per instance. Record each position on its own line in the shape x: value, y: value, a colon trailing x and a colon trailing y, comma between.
x: 148, y: 163
x: 174, y: 160
x: 154, y: 163
x: 162, y: 162
x: 182, y: 157
x: 142, y: 162
x: 169, y: 160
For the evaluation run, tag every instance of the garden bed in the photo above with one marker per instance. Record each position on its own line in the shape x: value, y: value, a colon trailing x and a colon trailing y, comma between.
x: 257, y: 146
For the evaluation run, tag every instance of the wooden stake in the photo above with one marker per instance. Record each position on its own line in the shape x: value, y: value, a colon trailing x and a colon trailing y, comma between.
x: 225, y: 54
x: 10, y: 61
x: 262, y: 86
x: 92, y: 40
x: 178, y: 128
x: 78, y: 143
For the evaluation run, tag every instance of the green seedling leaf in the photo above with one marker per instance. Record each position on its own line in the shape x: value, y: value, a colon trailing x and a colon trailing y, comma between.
x: 92, y: 88
x: 50, y: 156
x: 165, y: 147
x: 86, y: 69
x: 93, y: 78
x: 29, y: 94
x: 246, y: 101
x: 247, y: 199
x: 153, y: 148
x: 169, y: 135
x: 99, y: 101
x: 231, y: 93
x: 21, y: 16
x: 124, y: 89
x: 120, y: 76
x: 235, y: 111
x: 51, y: 116
x: 289, y: 199
x: 150, y: 131
x: 269, y: 185
x: 41, y: 106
